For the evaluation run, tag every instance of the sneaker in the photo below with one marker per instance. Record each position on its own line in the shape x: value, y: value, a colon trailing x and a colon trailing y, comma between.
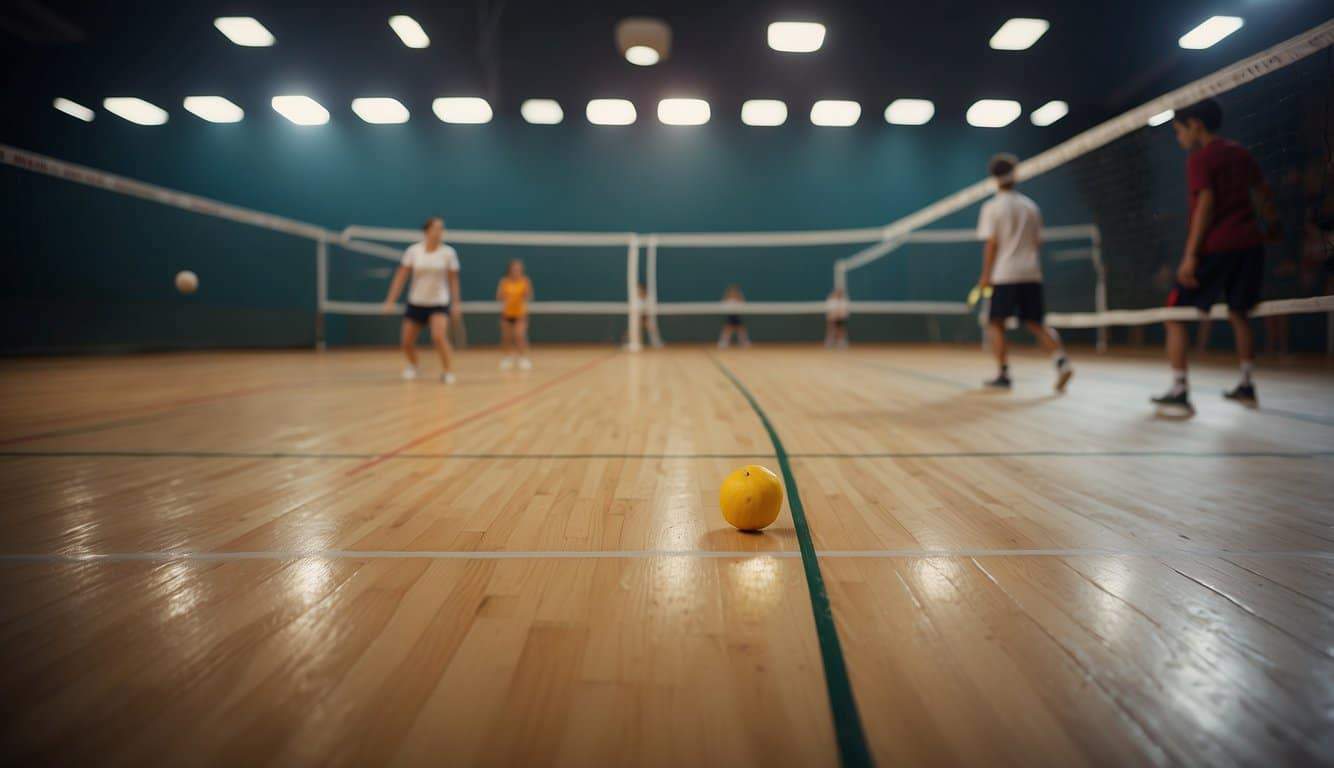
x: 448, y: 378
x: 1063, y: 375
x: 1000, y: 382
x: 525, y: 364
x: 410, y: 373
x: 506, y: 363
x: 1244, y: 394
x: 1174, y: 404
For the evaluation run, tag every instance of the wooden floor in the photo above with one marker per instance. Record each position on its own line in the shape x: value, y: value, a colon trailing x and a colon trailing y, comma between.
x: 299, y: 559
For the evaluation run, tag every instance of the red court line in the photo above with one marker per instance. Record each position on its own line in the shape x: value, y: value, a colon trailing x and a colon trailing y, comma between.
x: 453, y: 425
x: 146, y: 408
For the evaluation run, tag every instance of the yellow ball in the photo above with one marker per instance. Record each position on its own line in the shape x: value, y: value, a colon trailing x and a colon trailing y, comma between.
x: 751, y: 497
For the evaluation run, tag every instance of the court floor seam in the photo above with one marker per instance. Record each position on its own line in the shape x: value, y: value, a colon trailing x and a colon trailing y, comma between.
x: 170, y: 454
x: 852, y: 746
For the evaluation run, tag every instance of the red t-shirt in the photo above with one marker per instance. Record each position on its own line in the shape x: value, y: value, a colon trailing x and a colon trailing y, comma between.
x: 1228, y: 169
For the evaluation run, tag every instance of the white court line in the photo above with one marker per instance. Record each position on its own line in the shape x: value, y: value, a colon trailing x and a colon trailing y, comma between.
x: 640, y: 554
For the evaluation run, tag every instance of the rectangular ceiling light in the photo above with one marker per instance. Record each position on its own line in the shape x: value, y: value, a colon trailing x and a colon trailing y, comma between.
x: 796, y: 36
x: 1049, y: 113
x: 301, y: 110
x: 214, y: 109
x: 409, y: 31
x: 74, y: 109
x: 832, y: 113
x: 244, y: 30
x: 380, y: 110
x: 137, y: 111
x: 462, y: 110
x: 1209, y: 32
x: 993, y: 113
x: 542, y: 111
x: 909, y: 112
x: 683, y: 112
x: 610, y: 112
x: 764, y: 112
x: 1162, y: 117
x: 1019, y: 34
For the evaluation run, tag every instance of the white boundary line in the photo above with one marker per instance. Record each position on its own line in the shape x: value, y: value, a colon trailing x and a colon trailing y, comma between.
x: 641, y: 554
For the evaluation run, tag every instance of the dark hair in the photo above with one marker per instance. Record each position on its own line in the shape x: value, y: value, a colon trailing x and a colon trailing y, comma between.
x: 1002, y: 164
x: 431, y: 221
x: 1208, y: 112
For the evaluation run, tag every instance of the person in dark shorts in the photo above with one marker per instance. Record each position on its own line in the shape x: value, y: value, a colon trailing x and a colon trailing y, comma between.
x: 732, y: 325
x: 1224, y: 253
x: 1010, y: 225
x: 433, y: 268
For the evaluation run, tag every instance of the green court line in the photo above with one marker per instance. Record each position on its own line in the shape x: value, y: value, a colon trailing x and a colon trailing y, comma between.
x: 852, y: 747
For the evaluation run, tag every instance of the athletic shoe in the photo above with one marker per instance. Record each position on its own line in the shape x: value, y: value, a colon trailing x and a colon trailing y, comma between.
x: 410, y: 373
x: 1000, y: 382
x: 1174, y: 404
x: 448, y: 378
x: 525, y: 364
x: 1244, y: 394
x: 1063, y: 375
x: 506, y: 363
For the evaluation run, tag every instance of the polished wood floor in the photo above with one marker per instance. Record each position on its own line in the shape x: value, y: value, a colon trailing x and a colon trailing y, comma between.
x: 299, y: 559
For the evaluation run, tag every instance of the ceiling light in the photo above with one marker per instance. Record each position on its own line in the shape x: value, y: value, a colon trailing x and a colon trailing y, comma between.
x: 380, y: 110
x: 764, y: 112
x: 833, y: 113
x: 1049, y: 113
x: 1210, y: 31
x: 409, y: 31
x: 74, y: 109
x: 1162, y: 117
x: 301, y: 110
x: 214, y: 109
x: 993, y: 113
x: 135, y: 110
x: 642, y: 55
x: 1019, y: 34
x: 796, y: 36
x: 643, y: 41
x: 462, y: 110
x: 542, y: 111
x: 909, y: 112
x: 244, y: 30
x: 610, y: 112
x: 683, y: 112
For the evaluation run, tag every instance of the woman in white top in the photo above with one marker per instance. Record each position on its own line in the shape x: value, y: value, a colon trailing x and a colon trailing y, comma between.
x: 434, y: 268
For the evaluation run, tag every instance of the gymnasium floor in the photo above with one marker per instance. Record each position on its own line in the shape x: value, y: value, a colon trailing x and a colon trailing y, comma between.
x: 530, y: 568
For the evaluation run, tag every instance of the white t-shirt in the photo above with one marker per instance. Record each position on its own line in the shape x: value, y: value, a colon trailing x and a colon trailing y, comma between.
x: 1016, y: 223
x: 430, y: 278
x: 836, y: 309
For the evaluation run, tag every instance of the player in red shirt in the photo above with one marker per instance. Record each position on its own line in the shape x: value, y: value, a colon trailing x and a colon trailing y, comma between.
x: 1224, y: 255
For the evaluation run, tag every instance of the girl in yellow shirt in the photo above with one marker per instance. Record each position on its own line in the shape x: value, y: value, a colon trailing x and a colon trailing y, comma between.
x: 514, y: 292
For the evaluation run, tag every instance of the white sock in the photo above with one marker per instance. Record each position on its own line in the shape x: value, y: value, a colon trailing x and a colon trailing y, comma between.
x: 1179, y: 384
x: 1247, y: 368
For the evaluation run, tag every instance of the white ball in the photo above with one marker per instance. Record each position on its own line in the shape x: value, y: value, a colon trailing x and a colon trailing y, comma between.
x: 187, y: 282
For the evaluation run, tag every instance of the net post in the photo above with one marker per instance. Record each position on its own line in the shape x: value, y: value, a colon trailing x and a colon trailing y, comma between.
x: 321, y: 290
x: 651, y: 280
x: 634, y: 333
x: 1100, y: 291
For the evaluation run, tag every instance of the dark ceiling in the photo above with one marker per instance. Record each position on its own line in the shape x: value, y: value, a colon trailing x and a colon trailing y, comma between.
x: 1101, y: 57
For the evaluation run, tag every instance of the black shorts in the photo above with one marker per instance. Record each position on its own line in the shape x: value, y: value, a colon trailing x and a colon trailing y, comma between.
x: 840, y: 322
x: 1234, y: 276
x: 1022, y: 300
x: 422, y: 315
x: 734, y: 320
x: 510, y: 320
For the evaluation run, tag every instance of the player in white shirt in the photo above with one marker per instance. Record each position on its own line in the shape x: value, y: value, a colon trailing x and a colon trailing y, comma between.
x: 1010, y: 225
x: 836, y: 320
x: 432, y: 299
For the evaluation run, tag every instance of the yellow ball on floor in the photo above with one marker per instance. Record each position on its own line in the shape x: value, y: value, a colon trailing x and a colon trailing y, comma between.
x: 751, y: 497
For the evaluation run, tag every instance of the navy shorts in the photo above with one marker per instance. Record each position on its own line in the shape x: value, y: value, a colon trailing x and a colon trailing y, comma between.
x: 734, y: 320
x: 1233, y: 276
x: 422, y: 315
x: 1022, y: 300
